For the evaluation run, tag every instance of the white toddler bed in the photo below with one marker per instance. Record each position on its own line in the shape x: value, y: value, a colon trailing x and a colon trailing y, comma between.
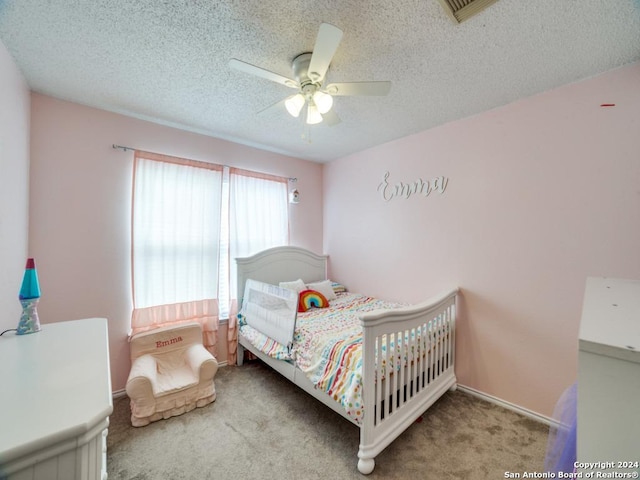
x: 421, y: 337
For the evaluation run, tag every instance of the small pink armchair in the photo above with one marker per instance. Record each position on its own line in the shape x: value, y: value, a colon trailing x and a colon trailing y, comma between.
x: 171, y: 373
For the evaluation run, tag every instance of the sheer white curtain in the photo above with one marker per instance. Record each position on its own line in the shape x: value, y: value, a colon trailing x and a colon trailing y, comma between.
x: 258, y: 215
x: 258, y: 219
x: 175, y: 240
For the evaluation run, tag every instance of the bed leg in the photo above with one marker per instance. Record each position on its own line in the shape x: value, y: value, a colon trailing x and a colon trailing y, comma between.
x: 240, y: 355
x: 366, y: 465
x: 453, y: 387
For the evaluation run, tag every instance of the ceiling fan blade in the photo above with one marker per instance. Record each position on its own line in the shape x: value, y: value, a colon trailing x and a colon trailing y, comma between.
x: 261, y: 72
x: 331, y: 118
x: 325, y: 48
x: 358, y: 88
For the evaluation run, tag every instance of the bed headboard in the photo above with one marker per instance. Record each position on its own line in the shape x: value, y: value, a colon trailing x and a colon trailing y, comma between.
x: 280, y: 264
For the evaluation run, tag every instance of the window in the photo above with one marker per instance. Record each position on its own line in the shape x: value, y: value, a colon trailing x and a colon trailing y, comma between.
x: 189, y: 221
x: 176, y: 212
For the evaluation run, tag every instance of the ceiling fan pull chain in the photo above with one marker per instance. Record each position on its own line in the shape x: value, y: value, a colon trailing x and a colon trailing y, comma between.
x: 306, y: 134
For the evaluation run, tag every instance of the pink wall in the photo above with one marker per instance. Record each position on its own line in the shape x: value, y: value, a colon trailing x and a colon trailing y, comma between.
x: 80, y: 208
x: 542, y: 193
x: 14, y: 187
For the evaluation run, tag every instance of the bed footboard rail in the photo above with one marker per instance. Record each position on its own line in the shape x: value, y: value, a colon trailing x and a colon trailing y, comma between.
x: 408, y: 363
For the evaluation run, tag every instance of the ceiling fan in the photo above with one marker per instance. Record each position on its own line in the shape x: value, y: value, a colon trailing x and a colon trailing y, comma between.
x: 309, y: 71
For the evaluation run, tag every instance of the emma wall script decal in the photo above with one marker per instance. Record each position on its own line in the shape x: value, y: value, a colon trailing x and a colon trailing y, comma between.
x: 405, y: 190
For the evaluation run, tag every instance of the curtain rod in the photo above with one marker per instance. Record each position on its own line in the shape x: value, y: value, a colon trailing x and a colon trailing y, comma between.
x: 125, y: 148
x: 121, y: 147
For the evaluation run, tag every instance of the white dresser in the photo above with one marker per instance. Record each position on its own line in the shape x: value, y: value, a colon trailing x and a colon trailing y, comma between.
x: 55, y: 402
x: 609, y: 375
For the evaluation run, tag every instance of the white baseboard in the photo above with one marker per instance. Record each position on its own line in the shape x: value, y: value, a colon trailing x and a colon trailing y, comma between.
x: 123, y: 393
x: 509, y: 406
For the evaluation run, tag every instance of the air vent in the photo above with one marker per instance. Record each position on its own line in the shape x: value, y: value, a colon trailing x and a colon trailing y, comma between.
x: 460, y: 10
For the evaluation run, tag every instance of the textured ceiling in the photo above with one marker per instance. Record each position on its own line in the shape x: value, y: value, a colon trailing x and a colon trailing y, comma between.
x: 167, y: 61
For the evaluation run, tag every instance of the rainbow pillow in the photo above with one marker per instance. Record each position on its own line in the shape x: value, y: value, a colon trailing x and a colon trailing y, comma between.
x: 311, y: 299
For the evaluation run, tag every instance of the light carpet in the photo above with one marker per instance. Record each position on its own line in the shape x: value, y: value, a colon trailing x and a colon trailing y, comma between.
x: 263, y: 427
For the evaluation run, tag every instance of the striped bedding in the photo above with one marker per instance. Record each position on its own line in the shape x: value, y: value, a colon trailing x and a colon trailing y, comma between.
x: 327, y: 347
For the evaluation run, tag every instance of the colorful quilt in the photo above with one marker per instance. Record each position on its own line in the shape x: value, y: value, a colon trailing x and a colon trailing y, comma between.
x: 327, y: 347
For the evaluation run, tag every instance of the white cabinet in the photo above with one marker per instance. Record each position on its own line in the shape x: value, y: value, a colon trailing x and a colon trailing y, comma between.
x: 55, y: 402
x: 609, y: 375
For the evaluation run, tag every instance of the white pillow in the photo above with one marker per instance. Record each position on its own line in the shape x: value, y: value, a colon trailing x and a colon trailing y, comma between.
x: 324, y: 287
x: 296, y: 285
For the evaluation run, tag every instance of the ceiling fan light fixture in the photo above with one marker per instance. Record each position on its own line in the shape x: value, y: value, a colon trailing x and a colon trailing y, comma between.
x: 313, y: 115
x: 323, y: 101
x: 294, y: 104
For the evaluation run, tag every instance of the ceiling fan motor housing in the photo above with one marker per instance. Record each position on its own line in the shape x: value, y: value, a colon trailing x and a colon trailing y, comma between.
x: 300, y: 66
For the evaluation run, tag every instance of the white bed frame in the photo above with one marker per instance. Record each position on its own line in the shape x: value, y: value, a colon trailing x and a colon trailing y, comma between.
x: 390, y: 406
